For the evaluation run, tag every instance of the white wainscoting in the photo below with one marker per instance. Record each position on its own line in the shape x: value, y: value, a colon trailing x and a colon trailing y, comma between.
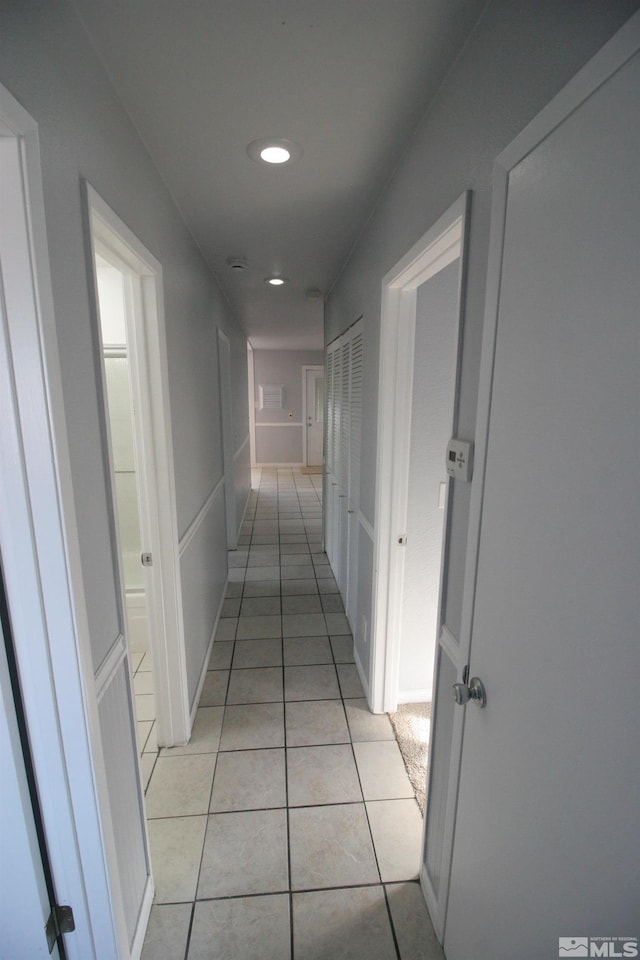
x: 203, y: 567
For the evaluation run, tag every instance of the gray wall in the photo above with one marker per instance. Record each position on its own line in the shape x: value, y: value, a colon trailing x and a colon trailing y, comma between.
x: 518, y: 57
x: 48, y: 65
x: 281, y: 444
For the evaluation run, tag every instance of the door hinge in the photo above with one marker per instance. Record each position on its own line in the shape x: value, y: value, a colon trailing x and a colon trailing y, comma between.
x: 146, y: 559
x: 60, y: 921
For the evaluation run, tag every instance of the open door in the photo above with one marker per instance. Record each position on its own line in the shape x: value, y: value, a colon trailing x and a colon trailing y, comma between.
x: 546, y: 858
x: 44, y: 591
x: 133, y: 364
x: 27, y: 892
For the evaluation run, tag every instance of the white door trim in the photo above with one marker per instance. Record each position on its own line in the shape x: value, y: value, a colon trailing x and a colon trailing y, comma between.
x: 320, y: 368
x: 158, y: 516
x: 41, y: 556
x: 440, y: 246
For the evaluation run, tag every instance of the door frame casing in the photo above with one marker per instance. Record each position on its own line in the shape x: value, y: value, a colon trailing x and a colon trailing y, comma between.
x: 314, y: 366
x: 441, y: 245
x: 154, y: 452
x: 44, y: 583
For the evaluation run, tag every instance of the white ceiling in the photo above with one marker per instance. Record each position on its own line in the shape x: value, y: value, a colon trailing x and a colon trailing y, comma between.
x: 346, y: 79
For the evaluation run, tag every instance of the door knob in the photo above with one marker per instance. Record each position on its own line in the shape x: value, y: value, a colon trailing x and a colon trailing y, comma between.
x: 474, y: 690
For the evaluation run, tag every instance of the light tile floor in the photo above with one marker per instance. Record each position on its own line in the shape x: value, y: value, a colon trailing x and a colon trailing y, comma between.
x: 287, y: 828
x: 145, y: 713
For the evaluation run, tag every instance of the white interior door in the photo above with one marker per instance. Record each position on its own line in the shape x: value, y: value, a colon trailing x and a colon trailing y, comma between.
x: 546, y: 841
x: 155, y: 479
x: 355, y: 454
x: 342, y: 572
x: 328, y: 453
x: 24, y: 900
x: 314, y: 419
x: 336, y: 465
x: 43, y: 582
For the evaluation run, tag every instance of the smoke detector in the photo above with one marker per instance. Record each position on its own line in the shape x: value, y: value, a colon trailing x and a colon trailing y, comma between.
x: 237, y: 264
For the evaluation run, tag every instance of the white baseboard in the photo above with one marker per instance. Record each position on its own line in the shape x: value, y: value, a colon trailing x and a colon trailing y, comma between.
x: 143, y: 920
x: 430, y: 900
x: 244, y: 512
x: 203, y: 672
x: 274, y: 466
x: 364, y: 679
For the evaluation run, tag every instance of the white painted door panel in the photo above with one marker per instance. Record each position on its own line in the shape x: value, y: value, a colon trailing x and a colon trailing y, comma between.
x: 328, y: 441
x: 24, y: 902
x: 547, y: 842
x: 336, y: 472
x: 330, y: 386
x: 314, y: 388
x: 345, y: 465
x: 355, y: 451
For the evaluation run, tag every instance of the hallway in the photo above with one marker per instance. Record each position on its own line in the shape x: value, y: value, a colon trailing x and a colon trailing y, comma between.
x: 287, y: 828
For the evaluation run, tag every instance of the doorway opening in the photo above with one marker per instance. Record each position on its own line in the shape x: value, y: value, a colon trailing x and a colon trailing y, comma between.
x: 133, y: 363
x: 126, y: 478
x: 419, y: 354
x: 415, y: 622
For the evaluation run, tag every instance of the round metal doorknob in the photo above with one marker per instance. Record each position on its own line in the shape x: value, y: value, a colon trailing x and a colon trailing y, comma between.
x: 474, y: 690
x: 461, y: 693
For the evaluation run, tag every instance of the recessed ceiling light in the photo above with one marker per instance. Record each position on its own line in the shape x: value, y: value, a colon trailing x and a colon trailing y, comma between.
x: 275, y: 154
x: 274, y: 150
x: 275, y: 281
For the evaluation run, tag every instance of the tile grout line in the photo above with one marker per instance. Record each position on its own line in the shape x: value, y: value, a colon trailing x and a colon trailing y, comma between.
x: 192, y: 915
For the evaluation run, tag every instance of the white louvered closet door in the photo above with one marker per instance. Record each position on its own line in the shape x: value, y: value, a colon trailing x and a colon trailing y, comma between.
x: 329, y: 410
x: 355, y: 448
x: 334, y: 479
x: 342, y: 535
x: 329, y: 450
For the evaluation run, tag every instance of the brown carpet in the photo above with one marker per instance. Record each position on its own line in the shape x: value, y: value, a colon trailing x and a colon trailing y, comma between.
x: 412, y: 724
x: 308, y: 470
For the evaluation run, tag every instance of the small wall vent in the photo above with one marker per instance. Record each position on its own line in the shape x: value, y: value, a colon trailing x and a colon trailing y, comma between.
x: 271, y: 396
